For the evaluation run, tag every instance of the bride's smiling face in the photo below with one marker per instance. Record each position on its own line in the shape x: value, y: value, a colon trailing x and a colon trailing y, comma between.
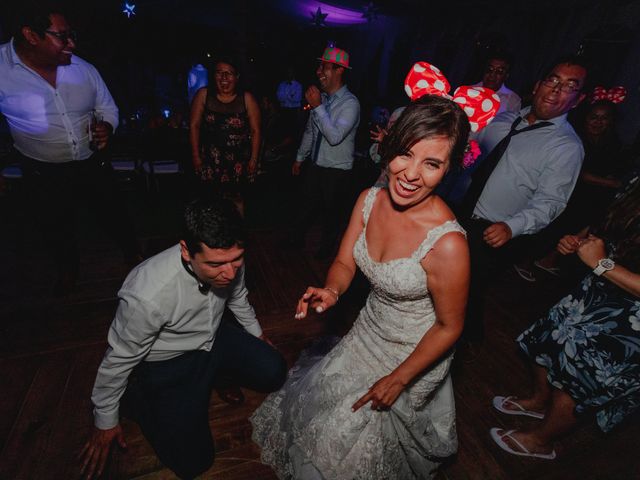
x: 415, y: 174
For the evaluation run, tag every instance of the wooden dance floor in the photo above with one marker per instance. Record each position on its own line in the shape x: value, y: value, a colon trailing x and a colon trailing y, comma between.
x: 50, y: 349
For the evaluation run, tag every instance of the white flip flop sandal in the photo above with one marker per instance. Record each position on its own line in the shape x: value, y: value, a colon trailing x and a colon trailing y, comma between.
x: 552, y: 270
x: 499, y: 439
x: 499, y: 404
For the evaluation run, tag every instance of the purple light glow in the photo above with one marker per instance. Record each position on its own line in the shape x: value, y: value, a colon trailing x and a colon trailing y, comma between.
x: 336, y: 16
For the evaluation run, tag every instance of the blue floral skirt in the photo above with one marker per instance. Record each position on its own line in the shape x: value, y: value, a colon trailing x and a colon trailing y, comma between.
x: 590, y: 345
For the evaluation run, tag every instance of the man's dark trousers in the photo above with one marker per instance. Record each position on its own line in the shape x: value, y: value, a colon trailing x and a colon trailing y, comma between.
x: 55, y: 191
x: 170, y: 399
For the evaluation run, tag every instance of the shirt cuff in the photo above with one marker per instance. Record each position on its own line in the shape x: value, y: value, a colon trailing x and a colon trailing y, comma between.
x: 319, y: 111
x: 111, y: 120
x: 516, y: 224
x: 105, y: 421
x: 254, y: 329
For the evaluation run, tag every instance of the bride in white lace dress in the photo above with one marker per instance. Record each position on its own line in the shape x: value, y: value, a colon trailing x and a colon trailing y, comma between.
x: 380, y: 404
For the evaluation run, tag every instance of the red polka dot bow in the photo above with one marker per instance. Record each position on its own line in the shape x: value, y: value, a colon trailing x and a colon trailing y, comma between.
x: 614, y: 94
x: 479, y: 103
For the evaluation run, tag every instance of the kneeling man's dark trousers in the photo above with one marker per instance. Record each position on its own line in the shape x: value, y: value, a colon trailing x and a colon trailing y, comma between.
x: 170, y: 399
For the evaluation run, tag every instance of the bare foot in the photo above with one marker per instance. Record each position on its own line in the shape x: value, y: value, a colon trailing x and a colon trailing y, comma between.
x: 532, y: 404
x: 527, y: 440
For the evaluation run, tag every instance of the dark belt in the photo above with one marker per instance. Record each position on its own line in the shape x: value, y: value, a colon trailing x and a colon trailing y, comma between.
x: 38, y: 165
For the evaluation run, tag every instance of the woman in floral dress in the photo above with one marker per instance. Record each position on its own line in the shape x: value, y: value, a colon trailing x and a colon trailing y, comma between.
x: 225, y: 133
x: 586, y: 351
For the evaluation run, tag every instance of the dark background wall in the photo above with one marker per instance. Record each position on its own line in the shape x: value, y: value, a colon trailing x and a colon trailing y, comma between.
x: 145, y: 59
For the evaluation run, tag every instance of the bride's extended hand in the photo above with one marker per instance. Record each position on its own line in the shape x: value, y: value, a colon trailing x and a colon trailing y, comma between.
x: 382, y: 394
x: 319, y: 299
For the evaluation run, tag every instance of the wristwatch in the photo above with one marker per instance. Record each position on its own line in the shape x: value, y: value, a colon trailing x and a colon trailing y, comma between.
x: 604, y: 265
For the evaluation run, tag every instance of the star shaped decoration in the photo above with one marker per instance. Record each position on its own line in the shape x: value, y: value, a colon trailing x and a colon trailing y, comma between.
x: 370, y: 12
x: 318, y: 18
x: 129, y: 9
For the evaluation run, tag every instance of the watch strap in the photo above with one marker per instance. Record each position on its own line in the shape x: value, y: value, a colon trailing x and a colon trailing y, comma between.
x: 604, y: 265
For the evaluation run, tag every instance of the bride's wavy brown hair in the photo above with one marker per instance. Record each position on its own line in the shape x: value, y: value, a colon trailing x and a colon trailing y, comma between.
x: 429, y: 116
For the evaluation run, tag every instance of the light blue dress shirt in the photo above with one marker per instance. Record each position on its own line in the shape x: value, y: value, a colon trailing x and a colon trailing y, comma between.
x: 533, y: 181
x: 336, y: 119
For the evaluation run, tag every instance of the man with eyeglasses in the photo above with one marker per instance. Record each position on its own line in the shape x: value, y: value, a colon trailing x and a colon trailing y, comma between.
x: 61, y: 116
x: 531, y: 164
x: 496, y: 72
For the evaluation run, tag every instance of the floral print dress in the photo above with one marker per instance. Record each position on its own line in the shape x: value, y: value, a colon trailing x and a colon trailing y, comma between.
x: 225, y: 142
x: 590, y: 345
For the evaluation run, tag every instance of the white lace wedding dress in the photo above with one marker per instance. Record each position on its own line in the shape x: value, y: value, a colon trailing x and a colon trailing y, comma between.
x: 307, y: 429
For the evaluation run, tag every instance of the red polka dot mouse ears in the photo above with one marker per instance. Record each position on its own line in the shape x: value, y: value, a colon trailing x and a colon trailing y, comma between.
x: 614, y: 94
x: 479, y: 103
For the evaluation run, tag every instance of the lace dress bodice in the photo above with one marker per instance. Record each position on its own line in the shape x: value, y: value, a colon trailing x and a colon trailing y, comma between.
x: 399, y: 291
x: 308, y: 431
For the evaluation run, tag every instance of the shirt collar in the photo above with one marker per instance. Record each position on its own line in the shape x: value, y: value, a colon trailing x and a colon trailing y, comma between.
x: 202, y: 286
x: 13, y: 55
x: 16, y: 60
x: 337, y: 94
x: 557, y: 121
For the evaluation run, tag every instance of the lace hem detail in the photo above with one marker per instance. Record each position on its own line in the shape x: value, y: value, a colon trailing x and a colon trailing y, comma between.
x: 307, y: 430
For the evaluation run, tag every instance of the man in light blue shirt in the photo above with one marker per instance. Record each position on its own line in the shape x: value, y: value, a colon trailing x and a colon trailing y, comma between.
x: 496, y: 72
x: 328, y: 145
x: 531, y: 181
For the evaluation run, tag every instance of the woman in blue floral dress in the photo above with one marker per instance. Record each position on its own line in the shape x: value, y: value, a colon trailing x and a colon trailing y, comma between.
x: 586, y: 351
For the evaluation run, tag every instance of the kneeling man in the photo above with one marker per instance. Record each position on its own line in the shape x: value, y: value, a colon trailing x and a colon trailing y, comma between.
x: 168, y: 347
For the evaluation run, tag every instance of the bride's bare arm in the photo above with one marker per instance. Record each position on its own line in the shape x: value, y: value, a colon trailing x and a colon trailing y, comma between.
x: 341, y: 271
x: 447, y: 267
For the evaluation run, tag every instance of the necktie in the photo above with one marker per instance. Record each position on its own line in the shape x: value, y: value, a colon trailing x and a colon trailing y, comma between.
x: 485, y: 169
x: 316, y: 148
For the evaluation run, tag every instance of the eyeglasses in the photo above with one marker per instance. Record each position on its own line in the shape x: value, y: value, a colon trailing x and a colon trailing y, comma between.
x: 498, y: 70
x: 64, y: 36
x: 224, y: 74
x: 564, y: 87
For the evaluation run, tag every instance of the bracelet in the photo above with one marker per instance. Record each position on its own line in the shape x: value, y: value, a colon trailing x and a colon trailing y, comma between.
x: 334, y: 291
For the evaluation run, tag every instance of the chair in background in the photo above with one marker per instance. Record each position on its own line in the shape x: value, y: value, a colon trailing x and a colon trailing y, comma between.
x: 164, y: 147
x: 12, y: 172
x: 155, y: 168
